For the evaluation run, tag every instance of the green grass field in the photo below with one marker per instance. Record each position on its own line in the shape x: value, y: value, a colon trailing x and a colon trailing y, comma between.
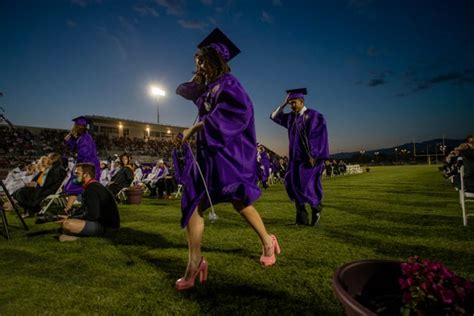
x: 390, y: 212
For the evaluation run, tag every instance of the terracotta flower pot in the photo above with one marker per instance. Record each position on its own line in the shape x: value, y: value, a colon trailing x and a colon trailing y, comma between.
x: 134, y: 195
x: 369, y: 287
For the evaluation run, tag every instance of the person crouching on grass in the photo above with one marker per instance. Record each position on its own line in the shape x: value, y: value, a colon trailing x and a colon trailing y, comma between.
x: 98, y: 213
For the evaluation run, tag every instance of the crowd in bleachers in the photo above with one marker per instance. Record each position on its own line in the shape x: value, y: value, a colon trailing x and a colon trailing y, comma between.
x: 19, y: 147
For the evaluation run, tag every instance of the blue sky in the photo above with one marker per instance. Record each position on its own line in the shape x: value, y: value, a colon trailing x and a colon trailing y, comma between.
x: 382, y: 72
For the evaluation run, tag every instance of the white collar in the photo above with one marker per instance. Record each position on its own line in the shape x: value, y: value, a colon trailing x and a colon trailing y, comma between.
x: 302, y: 111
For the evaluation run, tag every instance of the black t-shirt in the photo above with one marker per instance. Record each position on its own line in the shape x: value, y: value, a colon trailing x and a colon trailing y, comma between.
x: 99, y: 205
x: 468, y: 162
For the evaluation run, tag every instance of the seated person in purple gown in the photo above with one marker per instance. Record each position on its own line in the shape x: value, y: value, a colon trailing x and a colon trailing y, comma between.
x: 226, y: 150
x: 308, y: 149
x: 98, y: 212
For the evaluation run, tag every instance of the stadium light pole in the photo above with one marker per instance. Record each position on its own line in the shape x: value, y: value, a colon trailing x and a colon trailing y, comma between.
x: 403, y: 152
x: 362, y: 152
x: 157, y: 92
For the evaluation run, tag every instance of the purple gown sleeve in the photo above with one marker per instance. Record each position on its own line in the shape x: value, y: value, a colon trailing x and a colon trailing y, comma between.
x: 190, y: 90
x: 318, y: 136
x: 71, y: 143
x: 177, y: 167
x: 230, y: 117
x: 281, y: 119
x: 85, y: 149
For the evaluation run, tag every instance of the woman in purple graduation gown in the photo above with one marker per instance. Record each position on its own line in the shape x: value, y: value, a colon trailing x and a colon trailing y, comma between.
x: 226, y: 151
x: 80, y: 142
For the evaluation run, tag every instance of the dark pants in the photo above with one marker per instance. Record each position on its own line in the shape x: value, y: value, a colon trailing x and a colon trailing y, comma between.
x: 152, y: 189
x: 167, y: 185
x: 26, y: 198
x: 302, y: 214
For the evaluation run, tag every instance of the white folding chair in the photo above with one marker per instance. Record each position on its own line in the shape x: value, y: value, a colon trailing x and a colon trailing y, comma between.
x: 121, y: 196
x: 54, y: 198
x: 178, y: 192
x: 464, y: 197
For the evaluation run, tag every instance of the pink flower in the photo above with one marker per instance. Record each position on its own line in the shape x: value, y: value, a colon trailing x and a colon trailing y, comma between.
x: 447, y: 296
x: 407, y: 297
x: 446, y: 273
x: 403, y: 283
x: 405, y: 268
x: 435, y: 266
x: 425, y: 286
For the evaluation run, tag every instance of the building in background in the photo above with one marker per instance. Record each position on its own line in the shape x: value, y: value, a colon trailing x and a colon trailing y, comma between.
x: 116, y: 127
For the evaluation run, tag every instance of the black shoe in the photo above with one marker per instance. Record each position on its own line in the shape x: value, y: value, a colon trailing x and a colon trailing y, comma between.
x: 316, y: 214
x: 315, y: 219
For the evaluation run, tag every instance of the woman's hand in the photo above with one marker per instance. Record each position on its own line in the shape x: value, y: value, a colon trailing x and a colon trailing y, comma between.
x: 189, y: 132
x: 285, y: 102
x: 198, y: 78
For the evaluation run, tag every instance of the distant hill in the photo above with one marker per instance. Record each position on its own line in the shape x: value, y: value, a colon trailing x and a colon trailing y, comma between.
x: 421, y: 148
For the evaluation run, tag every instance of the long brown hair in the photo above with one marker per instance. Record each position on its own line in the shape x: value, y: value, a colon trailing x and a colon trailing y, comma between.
x: 78, y: 130
x: 54, y: 158
x: 219, y: 65
x: 129, y: 158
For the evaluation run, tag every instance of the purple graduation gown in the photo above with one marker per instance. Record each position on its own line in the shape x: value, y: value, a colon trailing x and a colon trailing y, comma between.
x: 86, y: 151
x: 263, y: 170
x: 226, y: 146
x: 307, y: 135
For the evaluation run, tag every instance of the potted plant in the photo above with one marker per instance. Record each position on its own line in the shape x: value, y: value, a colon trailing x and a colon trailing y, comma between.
x: 134, y: 194
x: 416, y: 287
x: 430, y: 288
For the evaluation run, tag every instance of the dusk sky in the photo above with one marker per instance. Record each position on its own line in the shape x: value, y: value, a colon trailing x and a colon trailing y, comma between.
x: 381, y: 72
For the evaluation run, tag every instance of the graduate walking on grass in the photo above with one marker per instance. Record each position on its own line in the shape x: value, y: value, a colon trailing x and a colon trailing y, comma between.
x: 226, y: 150
x: 308, y: 140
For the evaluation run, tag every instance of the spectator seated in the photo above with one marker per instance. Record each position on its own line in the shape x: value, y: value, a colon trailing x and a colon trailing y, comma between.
x: 98, y: 213
x: 46, y: 182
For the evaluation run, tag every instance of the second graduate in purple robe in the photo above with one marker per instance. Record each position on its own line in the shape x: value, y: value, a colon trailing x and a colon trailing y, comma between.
x: 308, y: 140
x: 226, y: 151
x: 80, y: 142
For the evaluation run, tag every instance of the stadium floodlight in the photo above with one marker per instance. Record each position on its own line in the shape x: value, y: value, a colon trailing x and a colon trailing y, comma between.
x: 157, y: 92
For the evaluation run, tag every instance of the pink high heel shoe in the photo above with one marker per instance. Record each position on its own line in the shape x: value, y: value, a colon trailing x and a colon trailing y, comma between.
x: 268, y: 261
x: 184, y: 284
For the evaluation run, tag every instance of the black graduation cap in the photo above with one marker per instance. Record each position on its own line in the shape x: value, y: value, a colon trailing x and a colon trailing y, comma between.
x: 82, y: 120
x: 221, y: 43
x: 297, y: 93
